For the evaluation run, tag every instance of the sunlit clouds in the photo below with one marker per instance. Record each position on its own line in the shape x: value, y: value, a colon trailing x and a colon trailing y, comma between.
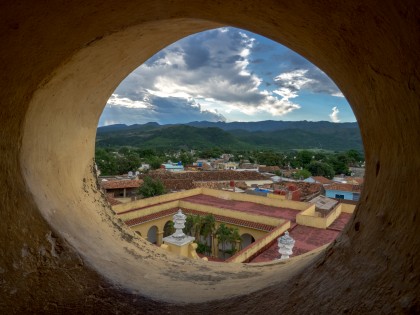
x: 334, y: 115
x: 221, y: 74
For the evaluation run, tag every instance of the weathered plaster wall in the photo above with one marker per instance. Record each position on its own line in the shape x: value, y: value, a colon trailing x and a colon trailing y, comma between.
x: 60, y: 61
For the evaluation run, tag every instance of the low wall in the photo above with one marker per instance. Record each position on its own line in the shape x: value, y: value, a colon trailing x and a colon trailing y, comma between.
x: 119, y: 209
x: 188, y: 250
x: 141, y: 212
x: 252, y: 249
x: 310, y: 217
x: 347, y: 208
x: 274, y: 196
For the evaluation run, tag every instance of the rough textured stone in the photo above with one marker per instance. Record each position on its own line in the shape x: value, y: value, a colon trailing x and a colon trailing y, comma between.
x: 61, y: 249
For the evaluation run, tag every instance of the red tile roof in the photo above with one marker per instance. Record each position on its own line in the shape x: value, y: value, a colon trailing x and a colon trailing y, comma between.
x: 113, y: 201
x: 268, y: 168
x: 354, y: 180
x: 151, y: 217
x: 306, y: 239
x: 120, y: 184
x: 344, y: 187
x: 244, y: 206
x: 323, y: 180
x: 340, y: 222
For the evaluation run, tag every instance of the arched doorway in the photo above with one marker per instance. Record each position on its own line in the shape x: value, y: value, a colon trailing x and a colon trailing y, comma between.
x: 247, y: 239
x: 168, y: 228
x: 152, y: 234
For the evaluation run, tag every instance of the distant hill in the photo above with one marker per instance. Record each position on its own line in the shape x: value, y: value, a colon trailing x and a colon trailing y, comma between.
x: 274, y: 135
x: 273, y: 125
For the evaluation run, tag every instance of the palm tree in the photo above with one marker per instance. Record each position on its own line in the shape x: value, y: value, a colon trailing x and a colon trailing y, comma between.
x: 235, y: 240
x: 209, y: 229
x: 223, y: 235
x: 197, y: 224
x: 168, y: 229
x: 188, y: 224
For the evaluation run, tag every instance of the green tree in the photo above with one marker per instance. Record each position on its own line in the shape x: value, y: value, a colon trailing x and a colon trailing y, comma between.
x: 197, y: 224
x: 151, y: 187
x: 209, y: 229
x: 354, y: 157
x: 321, y: 169
x: 339, y: 163
x: 235, y: 240
x: 186, y: 158
x: 223, y: 236
x: 269, y: 158
x: 302, y: 174
x: 106, y: 162
x: 304, y: 157
x: 188, y: 224
x: 155, y: 162
x: 169, y: 228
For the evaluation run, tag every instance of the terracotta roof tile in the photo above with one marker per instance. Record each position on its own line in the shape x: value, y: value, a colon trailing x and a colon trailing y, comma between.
x: 354, y: 180
x: 323, y: 180
x: 344, y: 187
x: 113, y: 201
x: 268, y: 168
x: 120, y: 184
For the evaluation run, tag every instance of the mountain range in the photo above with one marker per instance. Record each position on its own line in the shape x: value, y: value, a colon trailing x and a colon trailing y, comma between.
x: 269, y: 134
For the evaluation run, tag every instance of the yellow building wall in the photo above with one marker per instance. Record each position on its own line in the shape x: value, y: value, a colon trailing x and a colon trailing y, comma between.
x: 312, y: 218
x: 155, y: 200
x: 188, y: 250
x: 143, y: 228
x: 347, y: 208
x: 274, y: 196
x: 148, y: 210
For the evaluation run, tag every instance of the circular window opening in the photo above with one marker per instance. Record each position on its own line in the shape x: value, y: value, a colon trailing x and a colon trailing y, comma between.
x: 222, y: 120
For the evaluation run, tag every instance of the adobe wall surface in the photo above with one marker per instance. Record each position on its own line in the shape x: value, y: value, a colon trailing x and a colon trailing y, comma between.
x: 61, y: 248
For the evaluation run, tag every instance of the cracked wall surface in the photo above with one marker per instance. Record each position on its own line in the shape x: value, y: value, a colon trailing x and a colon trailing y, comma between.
x: 62, y: 249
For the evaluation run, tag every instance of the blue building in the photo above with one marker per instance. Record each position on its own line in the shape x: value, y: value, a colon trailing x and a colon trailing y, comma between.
x: 173, y: 167
x: 343, y: 191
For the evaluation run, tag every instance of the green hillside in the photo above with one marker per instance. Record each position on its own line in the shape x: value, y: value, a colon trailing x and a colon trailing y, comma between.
x: 334, y: 137
x: 173, y: 137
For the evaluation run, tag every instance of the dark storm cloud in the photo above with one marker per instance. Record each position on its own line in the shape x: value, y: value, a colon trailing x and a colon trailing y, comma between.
x: 197, y: 56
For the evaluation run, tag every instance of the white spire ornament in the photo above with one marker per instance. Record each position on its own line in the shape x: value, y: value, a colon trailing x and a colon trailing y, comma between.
x: 285, y: 243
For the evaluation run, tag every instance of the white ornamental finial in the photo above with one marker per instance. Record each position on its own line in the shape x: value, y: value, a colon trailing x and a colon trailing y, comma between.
x: 179, y: 224
x: 286, y: 243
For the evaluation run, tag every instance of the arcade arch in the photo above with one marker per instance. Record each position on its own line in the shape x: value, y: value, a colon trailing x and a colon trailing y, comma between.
x: 152, y: 234
x: 247, y: 239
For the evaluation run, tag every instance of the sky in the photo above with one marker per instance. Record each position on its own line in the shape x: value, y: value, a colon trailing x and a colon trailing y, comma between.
x: 225, y: 74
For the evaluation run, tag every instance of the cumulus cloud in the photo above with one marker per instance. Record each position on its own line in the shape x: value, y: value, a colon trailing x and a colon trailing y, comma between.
x: 334, y: 115
x: 299, y: 74
x: 201, y: 73
x: 159, y: 109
